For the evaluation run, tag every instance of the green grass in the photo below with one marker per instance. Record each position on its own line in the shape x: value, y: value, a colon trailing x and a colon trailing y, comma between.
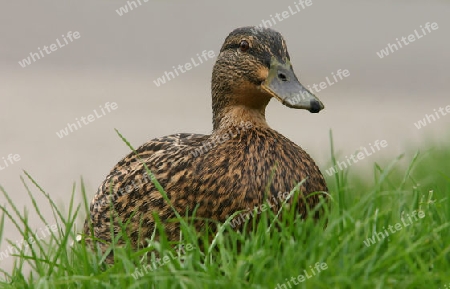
x: 277, y: 249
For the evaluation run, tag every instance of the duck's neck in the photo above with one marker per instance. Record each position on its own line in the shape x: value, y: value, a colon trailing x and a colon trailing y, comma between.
x: 230, y: 109
x: 239, y: 115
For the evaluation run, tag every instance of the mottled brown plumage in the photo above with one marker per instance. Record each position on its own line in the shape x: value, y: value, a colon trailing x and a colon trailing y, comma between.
x: 228, y: 170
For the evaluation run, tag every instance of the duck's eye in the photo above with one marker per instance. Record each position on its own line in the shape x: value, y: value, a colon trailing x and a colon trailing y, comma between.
x: 244, y: 46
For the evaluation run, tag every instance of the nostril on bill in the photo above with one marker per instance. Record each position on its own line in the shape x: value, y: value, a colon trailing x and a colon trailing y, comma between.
x: 282, y: 76
x: 315, y: 106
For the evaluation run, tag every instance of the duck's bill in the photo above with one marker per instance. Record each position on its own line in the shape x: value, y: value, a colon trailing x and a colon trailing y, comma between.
x: 282, y: 84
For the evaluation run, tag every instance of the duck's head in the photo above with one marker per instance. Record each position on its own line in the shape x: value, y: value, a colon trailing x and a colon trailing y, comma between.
x: 254, y: 66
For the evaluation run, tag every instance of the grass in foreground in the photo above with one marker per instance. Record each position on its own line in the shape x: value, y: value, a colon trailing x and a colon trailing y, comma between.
x: 394, y: 233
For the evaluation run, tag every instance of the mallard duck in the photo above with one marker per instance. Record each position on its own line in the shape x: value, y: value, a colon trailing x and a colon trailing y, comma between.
x: 235, y: 168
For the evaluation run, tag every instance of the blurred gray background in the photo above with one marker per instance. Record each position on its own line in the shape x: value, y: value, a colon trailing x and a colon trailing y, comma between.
x: 117, y: 58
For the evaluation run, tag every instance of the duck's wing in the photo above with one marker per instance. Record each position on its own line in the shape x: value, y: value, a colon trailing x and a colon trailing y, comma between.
x: 165, y: 156
x: 158, y: 150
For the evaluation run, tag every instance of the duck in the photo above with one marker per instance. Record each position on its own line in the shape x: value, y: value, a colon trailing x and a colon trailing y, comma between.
x: 237, y: 167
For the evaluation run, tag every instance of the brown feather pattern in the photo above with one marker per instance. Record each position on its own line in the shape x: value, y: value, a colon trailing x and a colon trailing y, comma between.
x: 221, y: 173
